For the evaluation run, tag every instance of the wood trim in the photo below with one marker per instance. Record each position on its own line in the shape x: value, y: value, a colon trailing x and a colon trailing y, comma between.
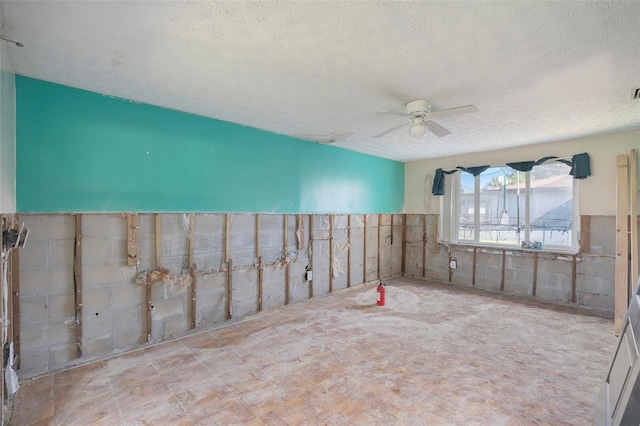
x: 260, y: 261
x: 229, y: 289
x: 149, y: 306
x: 622, y: 243
x: 77, y: 284
x: 285, y: 241
x: 378, y: 263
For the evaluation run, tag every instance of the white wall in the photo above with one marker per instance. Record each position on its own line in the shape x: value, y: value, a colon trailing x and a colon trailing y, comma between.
x: 7, y: 132
x: 597, y: 193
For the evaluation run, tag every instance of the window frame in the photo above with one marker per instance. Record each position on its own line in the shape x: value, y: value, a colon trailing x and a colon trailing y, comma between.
x: 450, y: 214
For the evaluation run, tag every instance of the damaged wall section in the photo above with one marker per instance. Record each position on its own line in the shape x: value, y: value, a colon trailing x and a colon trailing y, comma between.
x: 269, y: 255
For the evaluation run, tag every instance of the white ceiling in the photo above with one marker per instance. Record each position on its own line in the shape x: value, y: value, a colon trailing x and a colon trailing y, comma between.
x: 537, y: 71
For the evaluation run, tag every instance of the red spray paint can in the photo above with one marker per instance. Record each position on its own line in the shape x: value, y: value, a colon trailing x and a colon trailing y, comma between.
x: 381, y: 291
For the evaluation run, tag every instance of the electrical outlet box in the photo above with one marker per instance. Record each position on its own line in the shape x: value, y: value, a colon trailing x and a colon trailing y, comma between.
x: 453, y: 264
x: 309, y: 275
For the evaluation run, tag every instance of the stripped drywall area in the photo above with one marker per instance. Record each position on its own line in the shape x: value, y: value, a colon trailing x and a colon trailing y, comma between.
x: 239, y: 267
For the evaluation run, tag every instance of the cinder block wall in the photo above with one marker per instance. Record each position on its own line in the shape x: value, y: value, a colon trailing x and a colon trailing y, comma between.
x: 553, y: 273
x: 114, y: 295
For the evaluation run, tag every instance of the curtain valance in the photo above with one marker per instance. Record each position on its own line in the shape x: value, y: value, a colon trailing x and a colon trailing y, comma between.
x: 580, y: 168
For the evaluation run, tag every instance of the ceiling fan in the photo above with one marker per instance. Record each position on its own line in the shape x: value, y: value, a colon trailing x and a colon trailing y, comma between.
x: 420, y: 115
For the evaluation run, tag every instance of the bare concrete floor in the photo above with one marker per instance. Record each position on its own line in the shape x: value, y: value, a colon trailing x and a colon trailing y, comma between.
x: 433, y: 355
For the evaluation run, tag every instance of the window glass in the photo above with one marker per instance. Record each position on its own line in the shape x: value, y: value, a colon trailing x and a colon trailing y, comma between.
x: 498, y: 207
x: 551, y: 204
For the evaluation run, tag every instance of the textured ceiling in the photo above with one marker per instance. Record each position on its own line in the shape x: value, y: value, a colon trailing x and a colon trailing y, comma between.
x: 537, y: 71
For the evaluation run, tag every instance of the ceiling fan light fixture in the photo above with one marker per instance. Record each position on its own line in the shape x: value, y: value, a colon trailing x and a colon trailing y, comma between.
x: 418, y: 129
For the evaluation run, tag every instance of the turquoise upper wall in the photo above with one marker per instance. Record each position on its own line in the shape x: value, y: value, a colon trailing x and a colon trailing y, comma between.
x: 79, y: 151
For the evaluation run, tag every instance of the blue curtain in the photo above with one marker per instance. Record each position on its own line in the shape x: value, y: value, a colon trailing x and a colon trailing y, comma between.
x: 580, y: 168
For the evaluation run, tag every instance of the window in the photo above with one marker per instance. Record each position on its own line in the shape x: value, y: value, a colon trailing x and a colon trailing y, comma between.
x: 506, y: 207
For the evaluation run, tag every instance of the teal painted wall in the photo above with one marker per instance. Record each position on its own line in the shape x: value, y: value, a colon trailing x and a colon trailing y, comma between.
x: 79, y: 151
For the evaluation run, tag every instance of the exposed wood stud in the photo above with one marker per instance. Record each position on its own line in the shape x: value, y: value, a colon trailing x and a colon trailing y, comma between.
x: 311, y: 219
x: 573, y: 278
x: 260, y: 264
x: 535, y: 274
x: 504, y: 258
x: 348, y: 251
x: 192, y: 268
x: 133, y: 245
x: 158, y: 242
x: 633, y: 191
x: 449, y: 265
x: 227, y: 255
x: 77, y: 281
x: 391, y: 239
x: 424, y: 246
x: 149, y: 306
x: 379, y: 246
x: 622, y: 243
x: 15, y: 314
x: 436, y: 245
x: 364, y: 250
x: 285, y: 241
x: 300, y: 233
x: 585, y: 233
x: 229, y: 289
x: 331, y: 219
x: 473, y: 273
x: 404, y: 244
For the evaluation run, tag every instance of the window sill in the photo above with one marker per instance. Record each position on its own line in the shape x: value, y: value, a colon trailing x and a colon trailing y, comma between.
x: 488, y: 246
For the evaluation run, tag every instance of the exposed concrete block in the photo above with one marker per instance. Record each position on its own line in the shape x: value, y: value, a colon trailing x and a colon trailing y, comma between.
x: 524, y: 277
x: 147, y: 247
x: 60, y: 355
x: 33, y: 335
x: 97, y: 345
x: 209, y: 223
x: 244, y: 309
x: 597, y: 301
x: 555, y: 266
x: 117, y: 250
x: 167, y: 308
x: 34, y: 309
x: 518, y: 289
x: 98, y: 275
x: 175, y: 245
x: 175, y: 264
x: 103, y: 225
x: 33, y: 362
x: 34, y: 255
x: 129, y: 338
x: 127, y: 318
x: 49, y: 227
x: 207, y: 301
x: 212, y: 283
x: 245, y: 286
x: 161, y: 290
x: 201, y: 243
x: 175, y: 326
x: 61, y: 252
x: 211, y: 261
x: 242, y: 258
x: 61, y: 280
x: 521, y: 263
x: 95, y: 299
x: 61, y: 305
x: 128, y: 295
x: 95, y: 323
x: 176, y: 224
x: 206, y: 318
x: 146, y: 225
x: 95, y: 251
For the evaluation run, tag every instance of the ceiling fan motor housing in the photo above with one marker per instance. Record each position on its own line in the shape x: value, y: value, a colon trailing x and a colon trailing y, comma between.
x: 414, y: 107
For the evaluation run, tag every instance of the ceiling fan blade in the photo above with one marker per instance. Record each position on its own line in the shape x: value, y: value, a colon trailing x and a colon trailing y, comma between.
x: 454, y: 111
x: 386, y: 132
x: 392, y: 112
x: 436, y: 129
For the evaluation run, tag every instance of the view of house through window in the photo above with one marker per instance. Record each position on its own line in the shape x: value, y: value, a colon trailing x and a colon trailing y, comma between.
x: 505, y: 206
